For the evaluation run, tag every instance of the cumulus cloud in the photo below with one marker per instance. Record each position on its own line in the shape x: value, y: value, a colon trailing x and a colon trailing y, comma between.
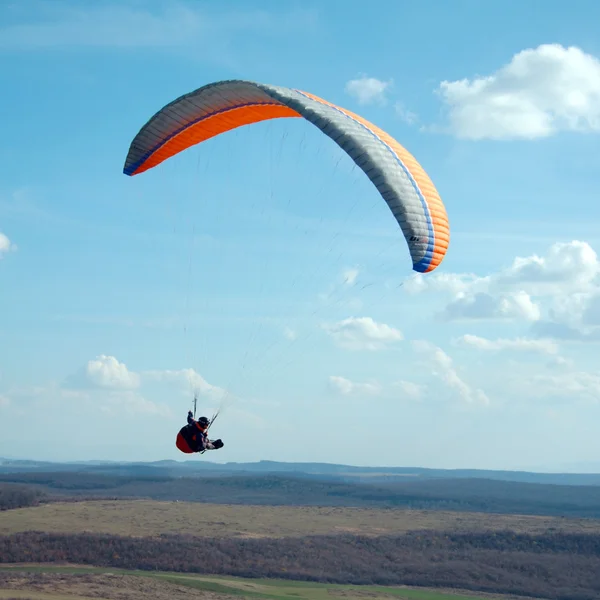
x: 347, y: 387
x: 588, y: 306
x: 6, y: 245
x: 443, y: 368
x: 115, y: 387
x: 558, y: 290
x: 190, y: 380
x: 566, y: 263
x: 107, y: 372
x: 397, y: 390
x: 405, y: 115
x: 517, y: 305
x: 565, y: 386
x: 569, y: 278
x: 540, y: 92
x: 557, y: 381
x: 81, y: 400
x: 559, y: 362
x: 572, y: 266
x: 453, y: 283
x: 517, y: 344
x: 362, y: 333
x: 549, y: 329
x: 571, y: 318
x: 368, y: 90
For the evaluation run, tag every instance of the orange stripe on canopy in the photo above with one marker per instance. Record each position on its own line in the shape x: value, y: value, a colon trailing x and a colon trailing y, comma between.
x: 212, y: 126
x: 436, y: 209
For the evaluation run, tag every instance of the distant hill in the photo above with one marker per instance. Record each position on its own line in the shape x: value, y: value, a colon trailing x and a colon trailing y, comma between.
x: 325, y: 471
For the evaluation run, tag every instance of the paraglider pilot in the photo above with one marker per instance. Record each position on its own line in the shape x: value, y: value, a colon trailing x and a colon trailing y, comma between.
x: 192, y: 437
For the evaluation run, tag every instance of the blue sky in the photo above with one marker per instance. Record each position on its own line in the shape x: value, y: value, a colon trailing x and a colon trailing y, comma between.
x: 263, y: 269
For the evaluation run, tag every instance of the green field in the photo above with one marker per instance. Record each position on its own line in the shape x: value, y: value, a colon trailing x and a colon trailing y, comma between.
x: 143, y: 518
x: 40, y: 582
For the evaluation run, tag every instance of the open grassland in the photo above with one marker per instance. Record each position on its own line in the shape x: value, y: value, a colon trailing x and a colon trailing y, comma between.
x: 147, y: 518
x: 73, y: 583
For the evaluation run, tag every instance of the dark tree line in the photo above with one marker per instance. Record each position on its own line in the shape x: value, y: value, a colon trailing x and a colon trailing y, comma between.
x: 18, y: 496
x: 557, y: 566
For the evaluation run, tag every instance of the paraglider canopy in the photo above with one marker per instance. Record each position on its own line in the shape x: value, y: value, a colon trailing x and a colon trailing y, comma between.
x: 226, y: 105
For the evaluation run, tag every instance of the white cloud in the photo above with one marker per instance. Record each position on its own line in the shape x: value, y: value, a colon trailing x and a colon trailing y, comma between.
x: 560, y: 289
x: 6, y: 245
x: 548, y: 329
x: 107, y: 372
x: 541, y: 91
x: 347, y: 387
x: 573, y: 319
x: 588, y: 306
x: 109, y: 386
x: 368, y: 90
x: 398, y: 390
x: 190, y: 380
x: 441, y: 282
x: 567, y: 386
x: 406, y: 115
x: 572, y: 266
x: 568, y: 276
x: 4, y: 401
x: 112, y: 379
x: 443, y: 368
x: 558, y: 381
x: 516, y: 305
x: 81, y: 401
x: 517, y: 344
x: 362, y: 333
x: 409, y: 389
x: 560, y: 362
x: 574, y: 263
